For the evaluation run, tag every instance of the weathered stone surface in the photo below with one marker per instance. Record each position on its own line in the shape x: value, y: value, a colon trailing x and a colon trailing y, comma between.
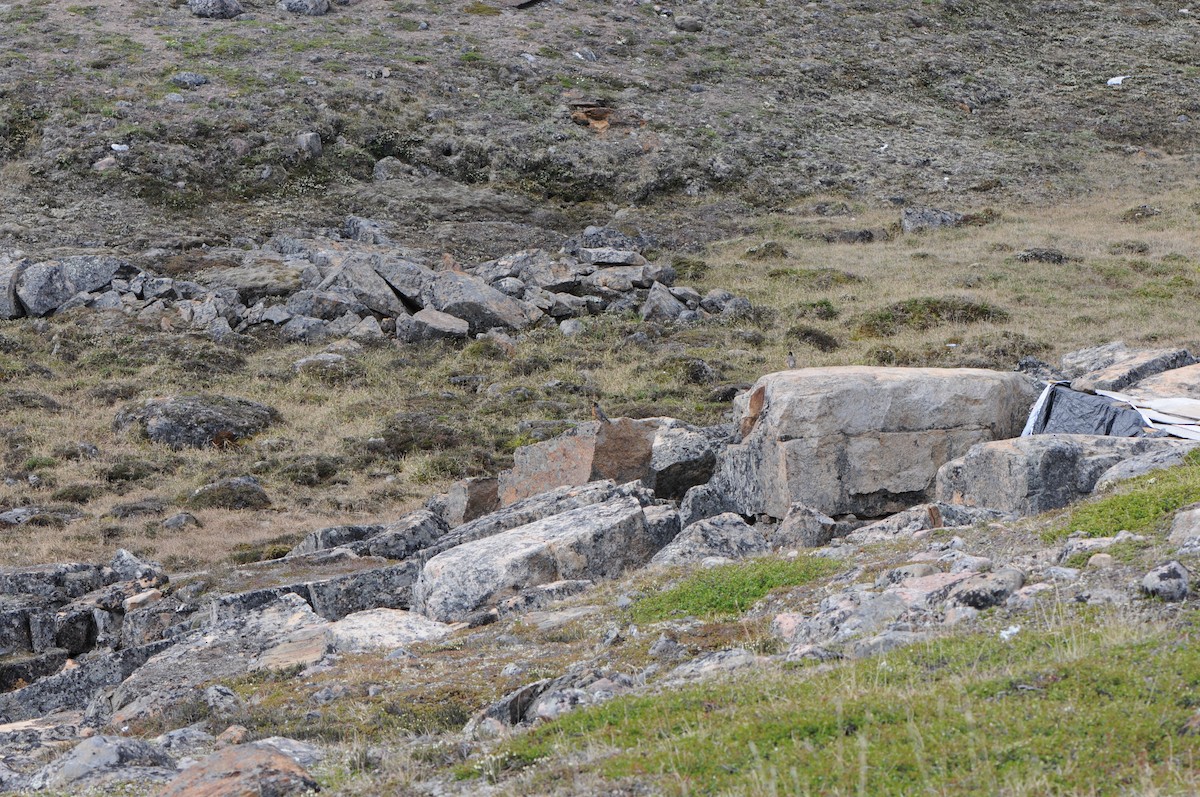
x: 1176, y: 383
x: 430, y: 324
x: 326, y: 305
x: 620, y: 450
x: 57, y: 581
x: 529, y: 510
x: 595, y: 542
x: 311, y: 8
x: 1095, y: 358
x: 921, y: 219
x: 379, y: 587
x: 10, y: 273
x: 382, y: 629
x: 860, y: 440
x: 241, y: 492
x: 1185, y: 527
x: 221, y: 650
x: 72, y: 689
x: 243, y: 771
x: 357, y: 276
x: 1030, y: 475
x: 1168, y: 582
x: 660, y: 306
x: 469, y: 499
x: 99, y: 758
x: 405, y: 537
x: 334, y: 537
x: 196, y: 421
x: 215, y: 9
x: 987, y: 589
x: 803, y: 527
x: 926, y: 516
x: 726, y: 536
x: 407, y: 278
x: 473, y: 300
x: 1132, y: 367
x: 682, y: 457
x: 42, y: 287
x: 1142, y: 464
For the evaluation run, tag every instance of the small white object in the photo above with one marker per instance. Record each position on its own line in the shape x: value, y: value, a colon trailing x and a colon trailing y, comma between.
x: 1118, y: 80
x: 884, y: 147
x: 1009, y: 633
x: 120, y: 147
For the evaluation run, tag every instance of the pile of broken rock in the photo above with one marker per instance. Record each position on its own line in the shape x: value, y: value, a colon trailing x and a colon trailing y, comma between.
x: 356, y: 283
x: 834, y: 459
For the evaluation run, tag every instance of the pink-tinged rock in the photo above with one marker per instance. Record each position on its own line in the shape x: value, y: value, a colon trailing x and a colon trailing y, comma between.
x: 928, y: 591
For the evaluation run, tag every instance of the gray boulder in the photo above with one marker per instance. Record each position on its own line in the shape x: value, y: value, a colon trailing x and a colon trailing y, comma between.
x: 196, y: 421
x: 429, y: 324
x: 803, y: 527
x: 44, y: 287
x: 215, y: 9
x: 922, y: 219
x: 726, y: 536
x: 661, y: 307
x: 1030, y: 475
x: 240, y: 492
x: 924, y: 517
x: 11, y: 270
x: 407, y: 278
x: 529, y: 510
x: 101, y: 758
x: 860, y: 440
x: 326, y: 304
x: 480, y: 305
x: 593, y: 543
x: 310, y: 8
x: 357, y: 276
x: 1131, y: 367
x: 1168, y: 582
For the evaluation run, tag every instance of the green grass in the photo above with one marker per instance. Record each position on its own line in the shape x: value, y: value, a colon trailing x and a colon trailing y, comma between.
x: 925, y: 313
x: 1143, y: 505
x: 729, y: 589
x: 1102, y: 708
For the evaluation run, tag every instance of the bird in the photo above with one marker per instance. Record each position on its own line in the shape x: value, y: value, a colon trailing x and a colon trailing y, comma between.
x: 598, y: 413
x: 791, y: 360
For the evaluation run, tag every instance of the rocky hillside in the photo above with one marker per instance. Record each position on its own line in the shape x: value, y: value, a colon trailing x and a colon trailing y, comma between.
x: 551, y: 397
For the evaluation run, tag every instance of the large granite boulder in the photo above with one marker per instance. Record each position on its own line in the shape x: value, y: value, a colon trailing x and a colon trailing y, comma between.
x: 665, y: 454
x: 480, y: 305
x: 1029, y: 475
x: 726, y: 536
x: 595, y: 542
x: 196, y: 421
x: 861, y: 440
x: 247, y: 769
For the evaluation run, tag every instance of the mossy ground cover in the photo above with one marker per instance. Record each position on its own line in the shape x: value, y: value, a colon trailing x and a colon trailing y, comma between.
x: 729, y: 589
x: 1064, y: 707
x: 1144, y: 505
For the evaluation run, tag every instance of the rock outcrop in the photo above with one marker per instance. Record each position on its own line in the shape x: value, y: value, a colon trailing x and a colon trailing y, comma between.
x: 866, y: 441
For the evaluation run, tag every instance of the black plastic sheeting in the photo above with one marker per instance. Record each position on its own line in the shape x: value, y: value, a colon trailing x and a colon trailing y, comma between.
x: 1067, y: 411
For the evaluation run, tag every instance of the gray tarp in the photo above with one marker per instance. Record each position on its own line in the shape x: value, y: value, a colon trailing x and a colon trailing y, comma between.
x: 1062, y: 410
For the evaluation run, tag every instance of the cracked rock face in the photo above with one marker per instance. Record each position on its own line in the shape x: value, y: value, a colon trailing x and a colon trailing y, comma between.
x: 867, y: 441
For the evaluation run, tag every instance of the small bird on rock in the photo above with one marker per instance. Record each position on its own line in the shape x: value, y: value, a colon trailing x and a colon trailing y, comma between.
x: 598, y: 413
x: 791, y: 360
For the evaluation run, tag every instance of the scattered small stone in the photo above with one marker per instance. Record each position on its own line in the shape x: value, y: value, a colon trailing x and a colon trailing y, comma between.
x: 1101, y: 561
x: 1168, y: 582
x: 188, y: 80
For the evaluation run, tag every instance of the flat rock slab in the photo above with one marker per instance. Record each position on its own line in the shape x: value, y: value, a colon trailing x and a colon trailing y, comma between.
x: 243, y: 771
x: 595, y: 542
x: 196, y: 421
x: 1030, y: 475
x: 1131, y: 367
x: 860, y: 440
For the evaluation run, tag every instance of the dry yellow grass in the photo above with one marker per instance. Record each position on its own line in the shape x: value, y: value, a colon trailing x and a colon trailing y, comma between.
x: 1135, y: 281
